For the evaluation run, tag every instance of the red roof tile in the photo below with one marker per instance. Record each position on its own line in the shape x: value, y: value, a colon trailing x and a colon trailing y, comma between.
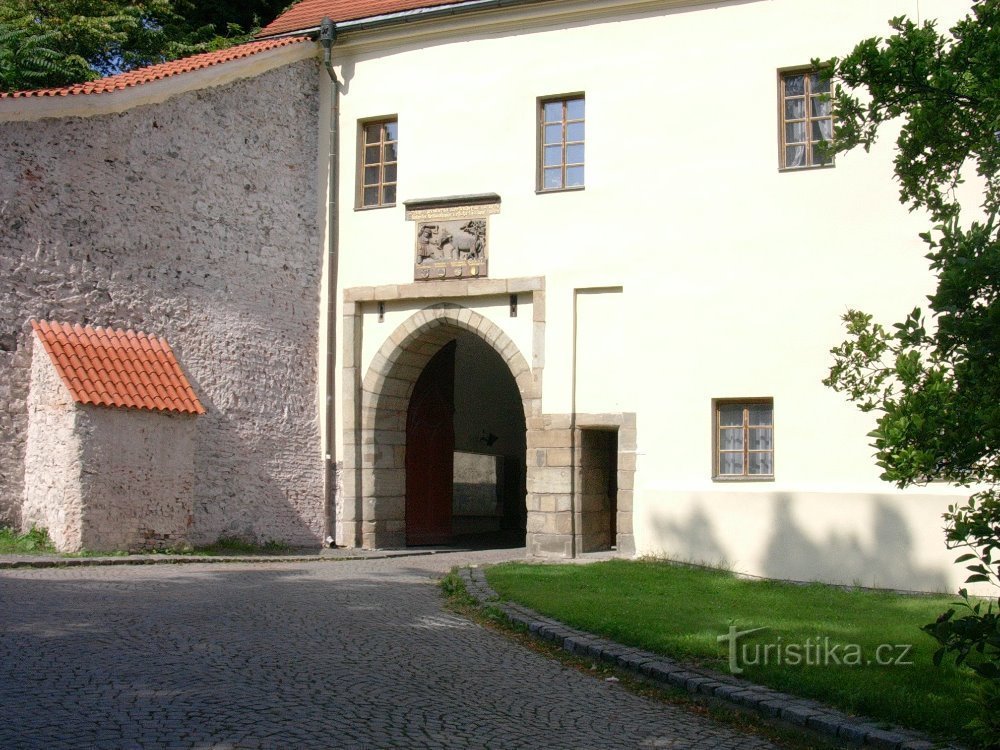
x: 163, y: 70
x: 111, y: 367
x: 307, y: 14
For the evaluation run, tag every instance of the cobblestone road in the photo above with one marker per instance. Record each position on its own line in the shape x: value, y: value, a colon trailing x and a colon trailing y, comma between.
x: 317, y: 655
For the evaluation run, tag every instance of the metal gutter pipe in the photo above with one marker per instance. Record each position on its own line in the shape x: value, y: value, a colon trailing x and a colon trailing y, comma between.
x: 327, y: 36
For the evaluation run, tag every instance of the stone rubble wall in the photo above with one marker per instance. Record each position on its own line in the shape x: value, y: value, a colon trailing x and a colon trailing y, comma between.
x: 137, y: 478
x: 197, y: 220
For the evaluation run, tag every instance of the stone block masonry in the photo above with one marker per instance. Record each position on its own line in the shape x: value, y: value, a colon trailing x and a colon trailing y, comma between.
x: 197, y: 219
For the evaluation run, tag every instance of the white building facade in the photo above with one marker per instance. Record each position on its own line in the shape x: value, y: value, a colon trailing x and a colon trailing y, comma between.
x: 679, y: 259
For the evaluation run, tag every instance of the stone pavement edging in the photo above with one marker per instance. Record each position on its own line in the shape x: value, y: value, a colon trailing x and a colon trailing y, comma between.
x: 770, y: 703
x: 8, y: 562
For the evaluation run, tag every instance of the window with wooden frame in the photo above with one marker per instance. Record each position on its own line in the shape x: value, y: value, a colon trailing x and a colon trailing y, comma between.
x: 561, y: 143
x: 377, y: 162
x: 806, y: 118
x: 744, y: 439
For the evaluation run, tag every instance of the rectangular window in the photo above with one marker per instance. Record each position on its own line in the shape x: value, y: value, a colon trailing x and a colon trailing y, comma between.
x: 806, y: 118
x: 744, y: 439
x: 560, y: 143
x: 377, y: 163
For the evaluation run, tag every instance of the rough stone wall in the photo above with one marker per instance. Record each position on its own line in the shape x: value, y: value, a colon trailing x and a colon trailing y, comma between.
x: 137, y: 477
x: 594, y: 479
x: 194, y: 219
x: 52, y: 455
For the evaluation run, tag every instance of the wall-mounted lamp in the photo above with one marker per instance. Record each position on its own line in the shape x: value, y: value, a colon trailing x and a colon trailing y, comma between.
x: 513, y: 305
x: 381, y: 312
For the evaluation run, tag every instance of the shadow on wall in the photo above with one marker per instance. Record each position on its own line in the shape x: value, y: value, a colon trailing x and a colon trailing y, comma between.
x: 693, y: 540
x: 237, y: 493
x: 842, y: 557
x: 791, y: 553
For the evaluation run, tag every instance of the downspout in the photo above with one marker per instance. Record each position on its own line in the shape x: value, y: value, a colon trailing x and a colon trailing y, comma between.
x: 327, y: 36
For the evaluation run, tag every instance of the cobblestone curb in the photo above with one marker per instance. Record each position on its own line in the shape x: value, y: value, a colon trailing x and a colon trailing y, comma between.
x: 698, y: 681
x: 8, y: 562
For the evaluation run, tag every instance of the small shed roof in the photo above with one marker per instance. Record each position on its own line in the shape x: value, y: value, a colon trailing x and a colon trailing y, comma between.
x: 112, y: 367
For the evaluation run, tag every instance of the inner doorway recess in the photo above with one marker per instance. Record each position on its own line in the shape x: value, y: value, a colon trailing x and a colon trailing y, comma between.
x: 465, y: 450
x: 597, y: 518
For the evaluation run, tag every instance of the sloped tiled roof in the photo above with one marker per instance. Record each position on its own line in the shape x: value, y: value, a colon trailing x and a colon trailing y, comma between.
x: 110, y: 367
x: 163, y: 70
x: 307, y: 14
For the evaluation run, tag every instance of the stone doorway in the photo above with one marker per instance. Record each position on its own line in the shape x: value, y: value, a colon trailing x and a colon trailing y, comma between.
x: 494, y: 393
x: 597, y: 480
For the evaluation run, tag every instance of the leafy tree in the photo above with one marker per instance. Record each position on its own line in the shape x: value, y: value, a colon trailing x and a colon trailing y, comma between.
x: 223, y: 15
x: 935, y: 382
x: 30, y: 59
x: 46, y: 43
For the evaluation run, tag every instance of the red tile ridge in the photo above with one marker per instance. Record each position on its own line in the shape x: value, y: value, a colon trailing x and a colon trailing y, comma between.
x: 163, y: 70
x: 308, y: 14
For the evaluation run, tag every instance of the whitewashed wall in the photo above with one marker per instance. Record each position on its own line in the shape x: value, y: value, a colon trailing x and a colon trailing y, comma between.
x: 716, y: 274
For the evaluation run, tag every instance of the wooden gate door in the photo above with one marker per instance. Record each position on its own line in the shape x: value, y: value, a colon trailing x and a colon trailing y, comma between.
x: 430, y: 451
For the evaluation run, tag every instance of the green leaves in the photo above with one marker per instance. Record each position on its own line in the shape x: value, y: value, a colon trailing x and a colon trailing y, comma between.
x: 943, y: 87
x: 31, y: 59
x: 936, y: 385
x: 860, y: 369
x: 973, y: 639
x: 61, y: 42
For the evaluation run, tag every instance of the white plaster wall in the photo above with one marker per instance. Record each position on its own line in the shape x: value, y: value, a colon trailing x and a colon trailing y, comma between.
x: 733, y: 275
x: 604, y: 357
x: 137, y: 478
x: 496, y: 309
x: 880, y: 539
x: 52, y: 457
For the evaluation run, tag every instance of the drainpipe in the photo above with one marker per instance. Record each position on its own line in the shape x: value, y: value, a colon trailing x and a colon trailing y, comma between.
x: 327, y: 36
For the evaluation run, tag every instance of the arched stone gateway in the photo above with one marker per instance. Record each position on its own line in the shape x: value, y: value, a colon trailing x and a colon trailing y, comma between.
x: 380, y: 479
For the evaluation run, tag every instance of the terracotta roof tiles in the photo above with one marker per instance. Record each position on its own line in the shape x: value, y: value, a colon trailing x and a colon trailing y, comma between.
x: 307, y: 14
x: 112, y: 367
x: 163, y: 70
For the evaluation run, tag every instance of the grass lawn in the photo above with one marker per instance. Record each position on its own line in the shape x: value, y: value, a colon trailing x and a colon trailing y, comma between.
x: 37, y: 542
x: 34, y: 542
x: 680, y: 611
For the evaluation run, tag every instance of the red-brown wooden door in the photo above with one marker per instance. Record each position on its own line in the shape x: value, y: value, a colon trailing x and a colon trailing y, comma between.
x: 430, y: 448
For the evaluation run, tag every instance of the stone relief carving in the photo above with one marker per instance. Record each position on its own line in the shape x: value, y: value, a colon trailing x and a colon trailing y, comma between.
x: 451, y: 240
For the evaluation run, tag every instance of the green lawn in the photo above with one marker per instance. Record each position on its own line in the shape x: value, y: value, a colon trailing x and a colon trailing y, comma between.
x: 37, y: 542
x: 680, y: 611
x: 33, y: 542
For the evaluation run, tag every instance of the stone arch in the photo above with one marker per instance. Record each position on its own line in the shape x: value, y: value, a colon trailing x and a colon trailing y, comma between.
x: 385, y: 395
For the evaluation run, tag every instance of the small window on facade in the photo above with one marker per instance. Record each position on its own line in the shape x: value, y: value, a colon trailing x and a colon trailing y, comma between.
x: 560, y: 143
x: 744, y: 439
x: 377, y: 167
x: 806, y: 119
